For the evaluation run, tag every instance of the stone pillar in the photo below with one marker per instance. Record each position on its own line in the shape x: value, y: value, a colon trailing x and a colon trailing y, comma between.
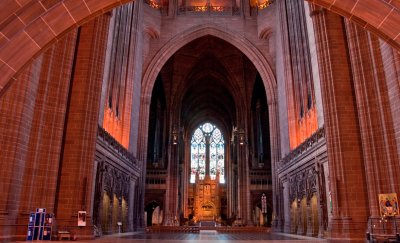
x: 321, y: 197
x: 273, y: 112
x: 231, y: 176
x: 282, y: 62
x: 280, y: 217
x: 138, y: 147
x: 346, y: 167
x: 391, y: 67
x: 285, y: 208
x: 131, y: 212
x: 171, y: 195
x: 98, y: 191
x: 77, y: 157
x: 185, y: 179
x: 376, y: 125
x: 243, y: 181
x: 32, y: 122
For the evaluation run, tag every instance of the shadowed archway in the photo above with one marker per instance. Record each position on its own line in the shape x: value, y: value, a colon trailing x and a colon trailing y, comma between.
x: 159, y: 60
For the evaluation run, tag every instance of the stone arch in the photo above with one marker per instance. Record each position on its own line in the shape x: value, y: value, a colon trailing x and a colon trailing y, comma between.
x: 244, y: 45
x: 174, y: 44
x: 28, y: 27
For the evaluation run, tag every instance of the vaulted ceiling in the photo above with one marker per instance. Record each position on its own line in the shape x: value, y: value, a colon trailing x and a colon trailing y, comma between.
x: 207, y: 80
x: 26, y: 27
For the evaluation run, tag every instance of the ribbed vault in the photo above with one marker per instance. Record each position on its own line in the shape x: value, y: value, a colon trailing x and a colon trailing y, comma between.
x: 208, y: 83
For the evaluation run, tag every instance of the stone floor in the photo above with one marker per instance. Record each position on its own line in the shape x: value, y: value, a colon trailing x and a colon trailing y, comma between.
x: 204, y: 237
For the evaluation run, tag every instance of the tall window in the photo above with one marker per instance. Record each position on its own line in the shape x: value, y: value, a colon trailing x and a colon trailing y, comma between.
x: 207, y: 153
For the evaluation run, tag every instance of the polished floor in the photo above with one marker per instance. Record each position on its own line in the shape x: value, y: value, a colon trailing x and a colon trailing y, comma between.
x: 204, y: 237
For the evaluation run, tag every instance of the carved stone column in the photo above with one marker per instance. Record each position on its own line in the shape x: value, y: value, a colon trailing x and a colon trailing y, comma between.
x: 171, y: 195
x: 391, y: 67
x: 31, y: 124
x: 321, y: 197
x: 342, y: 133
x: 76, y: 172
x: 373, y: 103
x: 131, y: 204
x: 311, y: 189
x: 138, y: 142
x: 285, y: 207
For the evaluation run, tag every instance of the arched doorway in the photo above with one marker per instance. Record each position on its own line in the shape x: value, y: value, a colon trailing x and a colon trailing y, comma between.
x: 262, y: 209
x: 219, y: 99
x: 154, y: 214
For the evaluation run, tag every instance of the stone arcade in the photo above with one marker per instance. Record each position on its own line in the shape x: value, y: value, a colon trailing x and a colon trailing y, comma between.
x: 158, y: 113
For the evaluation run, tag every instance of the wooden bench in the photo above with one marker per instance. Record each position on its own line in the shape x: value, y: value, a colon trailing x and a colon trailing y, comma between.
x: 64, y: 235
x: 384, y: 238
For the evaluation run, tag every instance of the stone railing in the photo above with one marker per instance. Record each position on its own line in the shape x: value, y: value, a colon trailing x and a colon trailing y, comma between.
x: 209, y: 10
x: 261, y: 181
x: 156, y: 181
x: 307, y: 144
x: 156, y: 172
x: 112, y: 142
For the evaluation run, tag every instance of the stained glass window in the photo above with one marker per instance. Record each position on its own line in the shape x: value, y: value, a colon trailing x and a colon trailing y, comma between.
x: 207, y: 136
x: 198, y: 152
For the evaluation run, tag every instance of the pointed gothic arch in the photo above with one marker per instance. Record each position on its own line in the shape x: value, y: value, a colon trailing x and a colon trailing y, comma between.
x: 174, y: 44
x: 245, y: 46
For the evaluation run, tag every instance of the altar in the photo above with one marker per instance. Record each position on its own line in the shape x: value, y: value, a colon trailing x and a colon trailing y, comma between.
x: 207, y: 203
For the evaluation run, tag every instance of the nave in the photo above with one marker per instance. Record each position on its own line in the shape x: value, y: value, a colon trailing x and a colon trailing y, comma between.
x: 117, y: 115
x: 202, y: 237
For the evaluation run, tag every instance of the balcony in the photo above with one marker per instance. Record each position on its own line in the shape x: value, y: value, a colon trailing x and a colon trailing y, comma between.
x: 209, y: 10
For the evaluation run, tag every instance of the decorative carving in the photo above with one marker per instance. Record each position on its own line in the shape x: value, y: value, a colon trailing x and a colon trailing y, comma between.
x: 116, y: 169
x: 207, y: 203
x: 302, y: 181
x: 207, y: 9
x: 125, y: 183
x: 292, y: 189
x: 312, y: 177
x: 107, y: 184
x: 303, y: 184
x: 307, y: 144
x: 106, y: 137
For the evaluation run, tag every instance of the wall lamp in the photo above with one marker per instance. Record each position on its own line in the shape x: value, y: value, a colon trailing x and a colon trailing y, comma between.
x: 175, y: 136
x: 239, y: 136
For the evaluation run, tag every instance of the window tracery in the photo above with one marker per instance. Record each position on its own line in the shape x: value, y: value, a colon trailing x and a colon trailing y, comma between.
x: 207, y: 153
